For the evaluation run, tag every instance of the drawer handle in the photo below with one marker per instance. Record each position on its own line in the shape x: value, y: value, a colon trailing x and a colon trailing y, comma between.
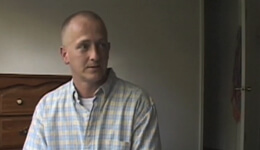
x: 19, y: 101
x: 24, y: 131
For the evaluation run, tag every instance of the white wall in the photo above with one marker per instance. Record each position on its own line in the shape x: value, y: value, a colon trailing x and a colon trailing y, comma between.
x: 155, y: 44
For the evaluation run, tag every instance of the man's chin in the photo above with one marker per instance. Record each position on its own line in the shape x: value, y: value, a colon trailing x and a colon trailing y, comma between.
x: 97, y: 79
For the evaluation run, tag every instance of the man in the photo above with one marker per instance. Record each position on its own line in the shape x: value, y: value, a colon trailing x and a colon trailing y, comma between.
x: 95, y: 110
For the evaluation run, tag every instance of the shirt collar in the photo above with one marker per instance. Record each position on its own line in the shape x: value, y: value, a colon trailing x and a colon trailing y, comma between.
x: 105, y: 87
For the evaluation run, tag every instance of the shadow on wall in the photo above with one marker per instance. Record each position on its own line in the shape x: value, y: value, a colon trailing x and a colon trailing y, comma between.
x: 206, y: 148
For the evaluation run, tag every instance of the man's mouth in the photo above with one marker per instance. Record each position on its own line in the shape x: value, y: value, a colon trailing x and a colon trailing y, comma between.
x: 93, y: 66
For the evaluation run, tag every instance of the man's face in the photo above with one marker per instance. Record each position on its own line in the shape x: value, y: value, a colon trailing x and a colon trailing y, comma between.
x: 86, y: 49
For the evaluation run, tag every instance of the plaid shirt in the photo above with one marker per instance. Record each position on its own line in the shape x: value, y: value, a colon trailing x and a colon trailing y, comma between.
x: 123, y: 117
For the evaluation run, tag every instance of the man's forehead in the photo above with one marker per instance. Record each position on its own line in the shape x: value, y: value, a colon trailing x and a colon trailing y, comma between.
x: 82, y: 24
x: 79, y: 28
x: 85, y: 21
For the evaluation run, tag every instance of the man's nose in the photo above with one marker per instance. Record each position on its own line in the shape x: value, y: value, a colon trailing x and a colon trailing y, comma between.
x: 94, y: 53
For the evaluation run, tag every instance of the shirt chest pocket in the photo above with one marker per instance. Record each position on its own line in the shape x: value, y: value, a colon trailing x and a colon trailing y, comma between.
x: 115, y: 145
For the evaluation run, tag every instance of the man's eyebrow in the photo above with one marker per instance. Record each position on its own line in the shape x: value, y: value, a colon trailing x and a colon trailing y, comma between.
x: 83, y: 41
x: 87, y: 41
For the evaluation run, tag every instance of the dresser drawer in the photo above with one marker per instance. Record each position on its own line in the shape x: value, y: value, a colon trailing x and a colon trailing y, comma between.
x: 19, y: 94
x: 13, y: 131
x: 21, y: 105
x: 22, y: 99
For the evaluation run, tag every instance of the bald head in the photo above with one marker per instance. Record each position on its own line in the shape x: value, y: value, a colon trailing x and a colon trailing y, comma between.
x: 80, y: 17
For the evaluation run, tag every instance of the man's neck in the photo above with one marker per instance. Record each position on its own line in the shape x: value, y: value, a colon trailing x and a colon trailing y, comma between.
x: 86, y: 90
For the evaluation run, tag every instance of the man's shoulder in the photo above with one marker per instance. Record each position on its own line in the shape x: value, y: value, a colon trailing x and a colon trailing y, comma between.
x: 57, y: 93
x: 61, y: 89
x: 134, y: 91
x: 121, y: 85
x: 53, y: 100
x: 125, y: 85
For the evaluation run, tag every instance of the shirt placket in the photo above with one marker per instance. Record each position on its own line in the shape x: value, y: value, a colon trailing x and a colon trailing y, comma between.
x: 87, y: 122
x: 91, y: 126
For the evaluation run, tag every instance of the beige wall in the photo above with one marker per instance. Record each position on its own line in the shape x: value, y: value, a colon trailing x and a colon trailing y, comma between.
x: 155, y: 44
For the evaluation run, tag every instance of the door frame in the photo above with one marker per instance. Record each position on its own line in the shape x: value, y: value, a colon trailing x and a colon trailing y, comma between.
x: 241, y: 124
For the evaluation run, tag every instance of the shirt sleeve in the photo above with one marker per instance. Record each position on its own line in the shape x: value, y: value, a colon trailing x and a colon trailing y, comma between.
x: 146, y: 129
x: 35, y: 139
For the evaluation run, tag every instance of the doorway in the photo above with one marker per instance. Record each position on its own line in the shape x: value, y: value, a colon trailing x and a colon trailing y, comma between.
x: 223, y: 20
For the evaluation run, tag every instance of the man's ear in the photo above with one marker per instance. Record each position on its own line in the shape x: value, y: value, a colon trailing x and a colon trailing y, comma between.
x: 108, y: 46
x: 64, y: 55
x: 108, y: 49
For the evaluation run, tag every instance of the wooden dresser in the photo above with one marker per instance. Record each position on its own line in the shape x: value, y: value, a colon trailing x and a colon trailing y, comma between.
x: 19, y: 94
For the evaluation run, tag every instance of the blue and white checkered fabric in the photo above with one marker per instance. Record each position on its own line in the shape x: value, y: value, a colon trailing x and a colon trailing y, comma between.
x: 123, y: 117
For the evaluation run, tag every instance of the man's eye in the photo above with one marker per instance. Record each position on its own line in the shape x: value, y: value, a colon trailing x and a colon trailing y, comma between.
x: 103, y: 45
x: 84, y: 47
